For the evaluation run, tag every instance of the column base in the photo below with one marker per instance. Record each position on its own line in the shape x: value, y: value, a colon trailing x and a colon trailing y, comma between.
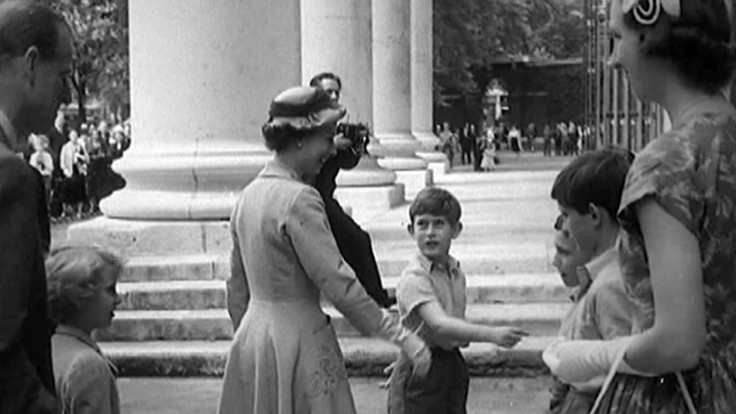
x: 366, y: 174
x: 436, y: 162
x: 429, y: 141
x: 414, y: 181
x: 402, y: 163
x: 172, y: 186
x: 368, y: 202
x: 135, y: 238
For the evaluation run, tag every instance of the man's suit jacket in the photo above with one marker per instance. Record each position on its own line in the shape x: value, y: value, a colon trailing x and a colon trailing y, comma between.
x: 26, y: 377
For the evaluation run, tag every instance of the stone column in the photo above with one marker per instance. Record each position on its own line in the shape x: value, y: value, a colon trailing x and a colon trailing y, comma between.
x: 421, y: 86
x: 200, y: 89
x: 336, y: 37
x: 202, y: 77
x: 392, y: 93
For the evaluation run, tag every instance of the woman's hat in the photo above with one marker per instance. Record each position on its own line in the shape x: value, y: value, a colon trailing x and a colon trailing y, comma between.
x: 305, y: 108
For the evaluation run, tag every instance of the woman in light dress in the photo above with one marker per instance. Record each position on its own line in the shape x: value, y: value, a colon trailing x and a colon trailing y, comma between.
x: 285, y: 357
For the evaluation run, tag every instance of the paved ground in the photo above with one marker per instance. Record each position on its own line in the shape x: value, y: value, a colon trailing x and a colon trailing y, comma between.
x: 199, y: 395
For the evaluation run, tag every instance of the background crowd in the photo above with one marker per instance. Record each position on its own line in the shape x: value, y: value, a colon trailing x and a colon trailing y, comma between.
x: 478, y: 147
x: 75, y: 163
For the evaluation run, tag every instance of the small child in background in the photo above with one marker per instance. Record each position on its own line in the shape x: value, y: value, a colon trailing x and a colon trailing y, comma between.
x: 82, y: 298
x: 431, y: 298
x: 489, y: 156
x: 41, y: 160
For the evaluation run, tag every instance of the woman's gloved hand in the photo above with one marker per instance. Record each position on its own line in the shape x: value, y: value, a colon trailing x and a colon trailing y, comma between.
x: 410, y: 343
x: 582, y: 360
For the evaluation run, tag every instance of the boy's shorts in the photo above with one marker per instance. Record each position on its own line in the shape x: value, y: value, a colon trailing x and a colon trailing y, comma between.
x: 443, y: 391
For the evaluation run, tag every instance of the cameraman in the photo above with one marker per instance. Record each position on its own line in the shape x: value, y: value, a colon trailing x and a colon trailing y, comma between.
x: 352, y: 241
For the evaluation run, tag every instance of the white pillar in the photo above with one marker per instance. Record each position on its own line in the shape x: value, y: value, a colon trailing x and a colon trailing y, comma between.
x: 421, y: 87
x: 421, y: 73
x: 202, y: 77
x: 392, y: 93
x: 336, y: 37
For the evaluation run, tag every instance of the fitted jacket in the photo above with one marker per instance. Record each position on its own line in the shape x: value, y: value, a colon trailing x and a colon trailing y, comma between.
x: 26, y: 378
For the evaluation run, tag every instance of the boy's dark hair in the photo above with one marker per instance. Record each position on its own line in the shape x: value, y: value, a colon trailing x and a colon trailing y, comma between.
x: 437, y: 202
x: 596, y: 177
x: 314, y: 82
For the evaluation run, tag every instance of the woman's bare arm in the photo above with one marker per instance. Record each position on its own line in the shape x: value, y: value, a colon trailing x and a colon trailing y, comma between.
x: 677, y: 338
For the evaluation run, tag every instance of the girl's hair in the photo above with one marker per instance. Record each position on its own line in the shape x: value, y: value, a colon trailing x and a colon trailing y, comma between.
x: 698, y: 42
x: 75, y: 274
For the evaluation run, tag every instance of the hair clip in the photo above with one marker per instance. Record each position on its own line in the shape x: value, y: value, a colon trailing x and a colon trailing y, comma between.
x: 647, y: 12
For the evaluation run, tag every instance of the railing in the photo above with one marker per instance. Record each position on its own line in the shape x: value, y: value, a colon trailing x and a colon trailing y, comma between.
x: 613, y: 114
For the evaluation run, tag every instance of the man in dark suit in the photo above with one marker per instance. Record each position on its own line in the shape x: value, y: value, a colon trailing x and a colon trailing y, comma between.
x: 353, y: 242
x: 35, y: 63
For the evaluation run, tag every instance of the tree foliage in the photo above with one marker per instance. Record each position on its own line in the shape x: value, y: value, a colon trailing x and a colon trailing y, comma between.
x: 101, y: 37
x: 472, y: 34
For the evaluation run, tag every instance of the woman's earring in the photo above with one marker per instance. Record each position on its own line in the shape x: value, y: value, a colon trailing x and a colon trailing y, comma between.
x: 299, y: 144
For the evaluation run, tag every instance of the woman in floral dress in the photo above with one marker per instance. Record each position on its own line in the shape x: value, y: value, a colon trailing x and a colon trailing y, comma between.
x: 678, y: 246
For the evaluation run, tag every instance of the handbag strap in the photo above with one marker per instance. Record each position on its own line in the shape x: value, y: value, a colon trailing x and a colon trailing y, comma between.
x: 612, y: 373
x: 608, y: 380
x: 685, y: 393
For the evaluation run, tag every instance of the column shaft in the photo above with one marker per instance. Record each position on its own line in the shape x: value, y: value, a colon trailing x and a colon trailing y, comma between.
x: 421, y: 73
x: 201, y: 81
x: 336, y: 37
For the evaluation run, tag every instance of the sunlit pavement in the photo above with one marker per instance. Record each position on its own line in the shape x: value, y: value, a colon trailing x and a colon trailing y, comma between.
x: 199, y: 395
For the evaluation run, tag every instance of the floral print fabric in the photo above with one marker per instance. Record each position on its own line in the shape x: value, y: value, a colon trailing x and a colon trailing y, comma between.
x: 690, y: 172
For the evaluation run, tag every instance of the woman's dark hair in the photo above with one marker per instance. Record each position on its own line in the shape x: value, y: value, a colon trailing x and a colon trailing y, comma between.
x: 25, y: 23
x: 279, y: 135
x: 698, y: 42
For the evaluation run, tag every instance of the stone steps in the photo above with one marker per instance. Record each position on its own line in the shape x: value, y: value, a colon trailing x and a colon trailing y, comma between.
x: 172, y: 320
x: 363, y: 357
x: 210, y: 294
x: 214, y: 324
x: 392, y: 257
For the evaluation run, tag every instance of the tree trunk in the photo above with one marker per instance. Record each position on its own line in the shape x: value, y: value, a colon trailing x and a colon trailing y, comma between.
x: 82, y: 110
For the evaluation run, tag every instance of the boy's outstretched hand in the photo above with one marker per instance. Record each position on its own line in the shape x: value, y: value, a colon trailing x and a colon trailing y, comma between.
x: 508, y: 336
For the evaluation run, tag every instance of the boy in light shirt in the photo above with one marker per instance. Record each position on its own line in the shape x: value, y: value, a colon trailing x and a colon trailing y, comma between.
x: 588, y: 193
x: 431, y: 298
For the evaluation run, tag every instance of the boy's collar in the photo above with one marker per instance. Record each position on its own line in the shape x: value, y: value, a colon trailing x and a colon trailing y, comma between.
x: 597, y: 264
x: 452, y: 265
x: 585, y: 281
